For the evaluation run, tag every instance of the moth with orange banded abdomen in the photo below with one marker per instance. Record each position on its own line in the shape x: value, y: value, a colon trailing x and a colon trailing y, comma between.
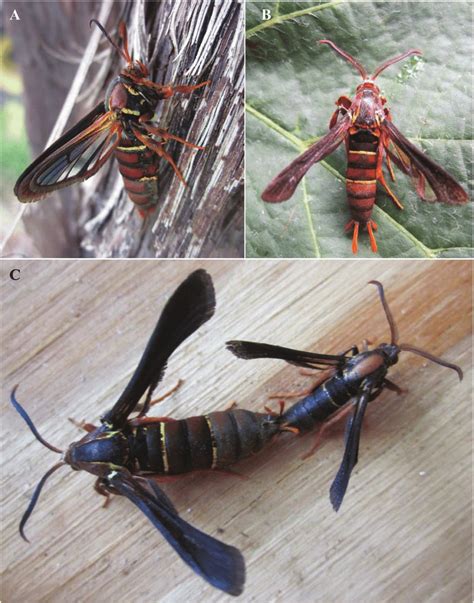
x: 122, y: 125
x: 366, y: 127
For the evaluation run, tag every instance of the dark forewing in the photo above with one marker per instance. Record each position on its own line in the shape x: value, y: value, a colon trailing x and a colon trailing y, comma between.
x: 250, y: 349
x: 283, y: 186
x: 445, y: 188
x: 74, y: 157
x: 190, y: 306
x: 351, y: 451
x: 221, y: 565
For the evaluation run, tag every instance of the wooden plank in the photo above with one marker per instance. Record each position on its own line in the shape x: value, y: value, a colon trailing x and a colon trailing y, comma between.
x: 72, y: 334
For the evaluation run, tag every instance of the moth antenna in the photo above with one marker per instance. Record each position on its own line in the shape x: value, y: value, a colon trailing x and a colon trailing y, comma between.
x: 34, y: 498
x: 411, y: 348
x: 24, y: 415
x: 124, y: 38
x: 388, y: 313
x: 123, y: 53
x: 347, y: 56
x: 400, y: 57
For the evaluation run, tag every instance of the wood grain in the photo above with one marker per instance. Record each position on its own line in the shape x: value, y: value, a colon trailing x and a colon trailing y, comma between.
x: 72, y: 334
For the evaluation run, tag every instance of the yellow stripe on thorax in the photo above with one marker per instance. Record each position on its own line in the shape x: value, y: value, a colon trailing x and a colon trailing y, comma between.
x: 131, y: 90
x: 130, y: 111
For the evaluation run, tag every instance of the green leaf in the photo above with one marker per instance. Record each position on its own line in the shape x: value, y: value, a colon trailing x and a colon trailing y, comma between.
x: 292, y: 85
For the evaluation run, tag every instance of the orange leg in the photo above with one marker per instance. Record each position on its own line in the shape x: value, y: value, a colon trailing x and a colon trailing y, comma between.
x: 283, y: 427
x: 167, y: 91
x: 379, y: 173
x: 294, y: 430
x: 381, y: 179
x: 389, y: 166
x: 83, y: 425
x: 159, y: 150
x: 273, y: 413
x: 298, y: 394
x: 145, y: 407
x: 370, y: 225
x: 355, y: 234
x: 373, y: 243
x: 307, y: 372
x: 167, y: 136
x: 335, y: 418
x: 320, y: 378
x: 168, y: 393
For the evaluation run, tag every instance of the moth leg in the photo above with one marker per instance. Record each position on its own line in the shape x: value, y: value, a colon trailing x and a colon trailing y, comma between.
x: 89, y: 427
x: 294, y: 394
x: 389, y: 167
x: 335, y: 418
x: 167, y: 394
x: 355, y: 234
x: 282, y: 426
x: 273, y: 413
x: 379, y: 173
x: 159, y: 150
x: 167, y: 91
x: 145, y: 407
x: 371, y: 226
x: 381, y: 179
x: 393, y: 387
x: 167, y: 136
x: 354, y: 350
x: 101, y: 489
x: 307, y: 372
x: 320, y: 378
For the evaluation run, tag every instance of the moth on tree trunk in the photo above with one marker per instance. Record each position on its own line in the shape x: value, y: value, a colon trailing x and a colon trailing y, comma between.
x: 197, y: 206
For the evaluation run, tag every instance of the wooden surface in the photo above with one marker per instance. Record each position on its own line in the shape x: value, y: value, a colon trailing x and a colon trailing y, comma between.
x: 73, y: 333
